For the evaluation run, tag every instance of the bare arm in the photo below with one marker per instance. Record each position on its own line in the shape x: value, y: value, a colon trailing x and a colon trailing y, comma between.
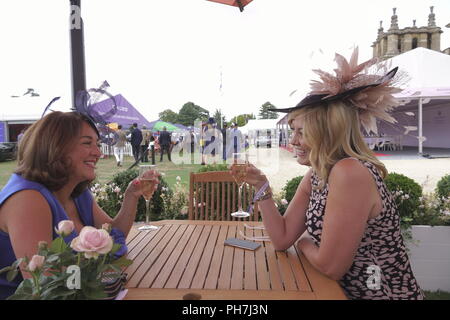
x: 352, y: 194
x: 28, y: 220
x: 283, y: 230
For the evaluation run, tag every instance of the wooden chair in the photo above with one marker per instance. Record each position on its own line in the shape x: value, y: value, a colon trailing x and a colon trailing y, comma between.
x: 214, y: 196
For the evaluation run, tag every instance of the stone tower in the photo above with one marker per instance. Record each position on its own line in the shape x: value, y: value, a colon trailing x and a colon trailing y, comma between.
x: 396, y: 41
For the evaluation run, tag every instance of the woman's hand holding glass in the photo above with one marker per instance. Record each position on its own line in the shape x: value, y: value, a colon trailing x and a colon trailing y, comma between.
x: 255, y: 177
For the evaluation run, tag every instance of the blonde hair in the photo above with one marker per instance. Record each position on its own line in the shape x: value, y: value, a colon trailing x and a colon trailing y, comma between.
x: 333, y: 132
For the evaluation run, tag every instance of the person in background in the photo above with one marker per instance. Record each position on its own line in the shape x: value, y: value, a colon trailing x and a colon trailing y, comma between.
x: 210, y: 138
x: 152, y: 147
x: 225, y: 132
x: 235, y: 141
x: 144, y: 144
x: 121, y: 140
x: 165, y: 141
x: 56, y: 164
x: 19, y: 137
x: 342, y: 217
x: 136, y: 139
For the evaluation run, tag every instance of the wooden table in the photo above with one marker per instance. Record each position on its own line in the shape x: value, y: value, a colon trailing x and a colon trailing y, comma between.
x: 186, y: 257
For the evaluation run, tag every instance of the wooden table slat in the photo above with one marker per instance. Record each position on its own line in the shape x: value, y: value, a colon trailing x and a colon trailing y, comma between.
x: 262, y: 273
x: 205, y: 261
x: 181, y: 265
x: 286, y: 271
x: 154, y: 270
x: 227, y: 265
x: 237, y: 275
x: 169, y: 266
x: 146, y: 247
x: 189, y: 273
x: 249, y: 263
x: 216, y: 261
x: 155, y: 248
x: 139, y: 243
x: 272, y: 262
x: 297, y: 268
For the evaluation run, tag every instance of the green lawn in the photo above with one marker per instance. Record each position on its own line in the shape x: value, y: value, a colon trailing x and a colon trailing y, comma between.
x: 437, y: 295
x: 106, y: 168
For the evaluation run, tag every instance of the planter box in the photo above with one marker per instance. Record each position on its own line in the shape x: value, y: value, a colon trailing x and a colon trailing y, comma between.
x: 430, y: 257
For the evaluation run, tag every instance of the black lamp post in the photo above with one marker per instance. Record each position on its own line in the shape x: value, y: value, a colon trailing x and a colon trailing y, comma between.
x: 78, y: 66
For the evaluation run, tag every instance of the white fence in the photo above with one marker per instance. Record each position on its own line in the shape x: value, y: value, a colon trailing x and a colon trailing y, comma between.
x: 109, y: 150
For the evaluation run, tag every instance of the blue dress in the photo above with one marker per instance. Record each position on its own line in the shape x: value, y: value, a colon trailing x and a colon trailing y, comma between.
x: 83, y: 203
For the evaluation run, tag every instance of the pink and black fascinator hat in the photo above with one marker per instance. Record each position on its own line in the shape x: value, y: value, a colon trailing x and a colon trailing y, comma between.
x: 370, y: 93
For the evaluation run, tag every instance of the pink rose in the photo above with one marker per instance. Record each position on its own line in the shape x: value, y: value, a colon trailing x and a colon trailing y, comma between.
x: 65, y: 228
x: 36, y: 262
x: 92, y: 242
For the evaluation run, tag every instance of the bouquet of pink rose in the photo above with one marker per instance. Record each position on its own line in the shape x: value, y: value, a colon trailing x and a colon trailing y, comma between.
x: 85, y: 269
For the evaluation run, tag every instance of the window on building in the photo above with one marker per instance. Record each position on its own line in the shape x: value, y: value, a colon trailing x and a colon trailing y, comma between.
x: 429, y: 40
x: 414, y: 43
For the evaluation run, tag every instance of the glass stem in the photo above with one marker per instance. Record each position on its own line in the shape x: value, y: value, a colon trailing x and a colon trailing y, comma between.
x: 147, y: 211
x: 239, y: 198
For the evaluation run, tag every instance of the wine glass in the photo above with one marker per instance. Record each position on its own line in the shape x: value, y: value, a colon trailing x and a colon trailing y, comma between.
x: 239, y: 172
x: 148, y: 187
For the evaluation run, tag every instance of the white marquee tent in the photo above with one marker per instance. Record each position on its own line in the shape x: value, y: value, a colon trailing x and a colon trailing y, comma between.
x: 426, y: 98
x: 17, y: 112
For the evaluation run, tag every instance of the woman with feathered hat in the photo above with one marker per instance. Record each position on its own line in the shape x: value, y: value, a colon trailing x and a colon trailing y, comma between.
x: 342, y: 217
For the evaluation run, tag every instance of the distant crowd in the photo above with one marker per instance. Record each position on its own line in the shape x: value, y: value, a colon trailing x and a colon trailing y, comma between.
x: 209, y: 141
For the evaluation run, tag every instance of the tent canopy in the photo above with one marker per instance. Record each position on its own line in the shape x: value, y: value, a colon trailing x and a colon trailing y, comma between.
x: 126, y: 114
x: 262, y: 124
x: 428, y: 89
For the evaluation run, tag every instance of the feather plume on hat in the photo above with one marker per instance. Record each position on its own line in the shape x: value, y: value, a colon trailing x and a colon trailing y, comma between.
x: 373, y: 102
x: 372, y: 93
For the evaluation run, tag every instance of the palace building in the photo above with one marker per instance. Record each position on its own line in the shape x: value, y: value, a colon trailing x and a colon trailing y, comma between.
x: 396, y: 41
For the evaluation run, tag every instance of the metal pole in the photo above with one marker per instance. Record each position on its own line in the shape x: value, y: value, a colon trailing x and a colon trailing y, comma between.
x: 78, y: 67
x: 420, y: 127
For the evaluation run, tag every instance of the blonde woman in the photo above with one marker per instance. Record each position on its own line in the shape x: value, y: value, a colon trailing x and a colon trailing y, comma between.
x: 342, y: 216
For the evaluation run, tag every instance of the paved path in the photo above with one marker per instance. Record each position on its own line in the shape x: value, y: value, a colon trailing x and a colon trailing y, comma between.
x: 283, y: 167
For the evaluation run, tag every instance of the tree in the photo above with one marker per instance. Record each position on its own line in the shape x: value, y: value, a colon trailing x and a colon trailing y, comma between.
x: 264, y: 112
x: 190, y: 112
x: 242, y: 119
x: 168, y: 116
x: 219, y: 117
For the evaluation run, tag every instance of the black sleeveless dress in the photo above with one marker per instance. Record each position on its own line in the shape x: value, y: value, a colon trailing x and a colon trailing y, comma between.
x: 381, y: 268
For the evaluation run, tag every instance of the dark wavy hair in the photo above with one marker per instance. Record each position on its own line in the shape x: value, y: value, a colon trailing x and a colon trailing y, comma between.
x: 42, y: 154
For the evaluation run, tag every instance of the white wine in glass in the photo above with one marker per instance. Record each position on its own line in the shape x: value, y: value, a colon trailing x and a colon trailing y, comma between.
x: 239, y: 171
x: 148, y: 187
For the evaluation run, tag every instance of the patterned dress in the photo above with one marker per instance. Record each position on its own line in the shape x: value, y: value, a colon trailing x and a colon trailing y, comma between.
x: 381, y: 254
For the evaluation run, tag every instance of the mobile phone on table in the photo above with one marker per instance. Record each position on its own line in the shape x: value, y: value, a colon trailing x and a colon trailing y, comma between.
x: 244, y: 244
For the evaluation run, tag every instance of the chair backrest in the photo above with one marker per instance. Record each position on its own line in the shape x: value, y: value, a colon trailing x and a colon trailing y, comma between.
x: 214, y: 196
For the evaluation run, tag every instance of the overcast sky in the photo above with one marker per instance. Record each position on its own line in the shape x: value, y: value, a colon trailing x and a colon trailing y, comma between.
x: 162, y: 54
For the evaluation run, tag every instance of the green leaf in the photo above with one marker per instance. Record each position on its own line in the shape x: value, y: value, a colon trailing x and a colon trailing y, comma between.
x: 122, y: 262
x: 96, y: 294
x: 116, y: 247
x: 17, y: 263
x: 115, y: 268
x: 20, y: 296
x: 6, y: 269
x: 11, y: 275
x: 58, y: 246
x: 52, y: 258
